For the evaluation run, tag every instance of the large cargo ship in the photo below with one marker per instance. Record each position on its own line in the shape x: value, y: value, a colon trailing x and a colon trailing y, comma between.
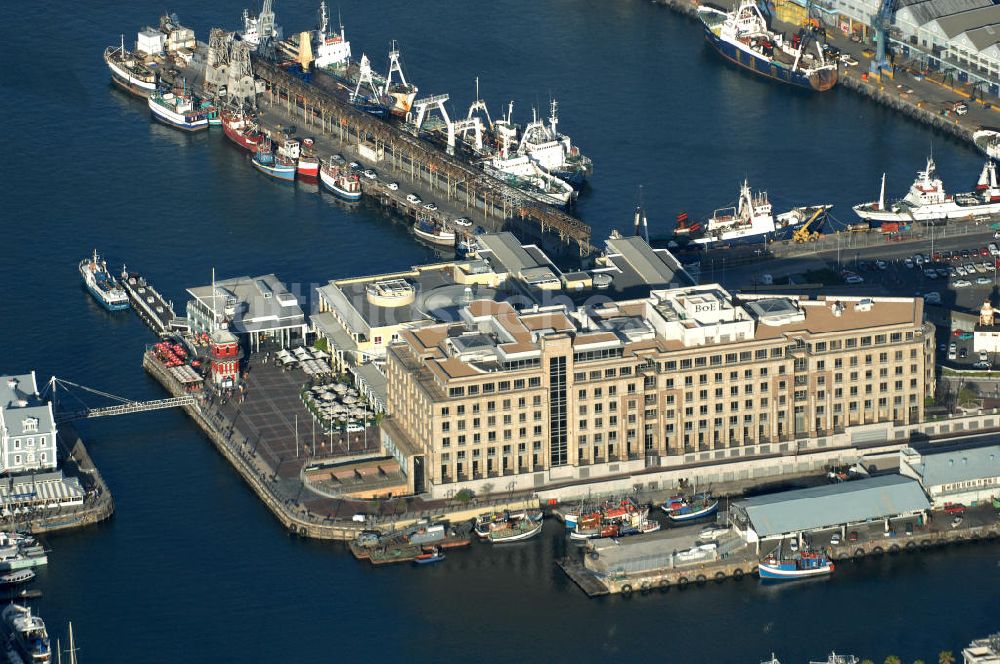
x: 743, y: 38
x: 926, y: 201
x: 129, y: 72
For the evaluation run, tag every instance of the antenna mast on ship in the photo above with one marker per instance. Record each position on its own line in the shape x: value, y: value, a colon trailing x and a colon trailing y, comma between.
x: 323, y: 20
x: 554, y: 118
x: 479, y: 105
x: 394, y: 66
x: 881, y: 194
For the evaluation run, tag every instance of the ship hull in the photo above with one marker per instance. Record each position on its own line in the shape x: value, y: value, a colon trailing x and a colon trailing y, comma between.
x: 756, y: 238
x: 691, y: 516
x: 99, y: 296
x: 330, y: 184
x: 820, y: 82
x: 239, y: 138
x: 520, y: 537
x: 929, y: 214
x: 129, y: 83
x: 177, y: 120
x: 775, y: 573
x: 434, y: 238
x: 281, y: 173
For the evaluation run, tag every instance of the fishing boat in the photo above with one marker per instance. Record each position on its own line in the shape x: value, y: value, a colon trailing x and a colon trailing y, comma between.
x: 429, y: 557
x: 742, y: 37
x: 102, y: 284
x: 752, y: 220
x: 927, y: 202
x: 987, y: 140
x: 241, y: 130
x: 689, y: 508
x: 307, y: 165
x: 14, y: 578
x: 129, y: 72
x: 177, y: 110
x: 433, y: 232
x: 340, y: 181
x: 268, y: 162
x: 801, y: 565
x: 27, y: 633
x: 614, y: 519
x: 517, y: 530
x: 553, y: 151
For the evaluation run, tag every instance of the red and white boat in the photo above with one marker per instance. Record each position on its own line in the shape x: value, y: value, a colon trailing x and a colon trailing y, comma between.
x: 240, y: 129
x: 308, y: 162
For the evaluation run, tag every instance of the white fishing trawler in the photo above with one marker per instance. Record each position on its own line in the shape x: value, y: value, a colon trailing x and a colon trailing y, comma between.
x: 988, y: 140
x: 553, y: 151
x: 753, y: 220
x: 332, y: 49
x: 928, y: 202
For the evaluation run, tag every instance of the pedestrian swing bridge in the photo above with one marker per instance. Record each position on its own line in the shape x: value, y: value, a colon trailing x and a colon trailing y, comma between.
x: 121, y: 405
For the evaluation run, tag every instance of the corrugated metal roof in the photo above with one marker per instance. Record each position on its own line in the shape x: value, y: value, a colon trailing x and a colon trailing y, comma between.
x: 956, y: 24
x: 834, y: 504
x: 959, y: 466
x: 925, y: 11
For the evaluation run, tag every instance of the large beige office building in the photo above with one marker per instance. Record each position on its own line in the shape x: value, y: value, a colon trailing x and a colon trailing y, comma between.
x: 507, y: 400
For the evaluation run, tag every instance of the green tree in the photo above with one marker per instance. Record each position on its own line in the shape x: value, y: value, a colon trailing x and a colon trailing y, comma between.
x: 892, y: 659
x: 918, y: 661
x: 946, y: 657
x: 867, y: 661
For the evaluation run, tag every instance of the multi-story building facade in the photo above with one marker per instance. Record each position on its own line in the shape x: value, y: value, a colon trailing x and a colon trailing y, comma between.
x: 27, y: 427
x: 504, y: 400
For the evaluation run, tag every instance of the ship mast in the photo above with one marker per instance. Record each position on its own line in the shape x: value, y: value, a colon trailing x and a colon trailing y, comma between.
x: 323, y: 20
x: 394, y: 66
x: 554, y: 118
x: 881, y: 194
x: 479, y: 105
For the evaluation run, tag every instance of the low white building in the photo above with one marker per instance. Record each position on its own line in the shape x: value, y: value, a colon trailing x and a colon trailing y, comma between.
x: 969, y: 476
x: 983, y: 651
x: 27, y: 427
x: 986, y: 334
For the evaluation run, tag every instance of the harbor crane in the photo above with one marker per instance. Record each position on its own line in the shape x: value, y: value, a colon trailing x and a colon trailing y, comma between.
x: 881, y: 23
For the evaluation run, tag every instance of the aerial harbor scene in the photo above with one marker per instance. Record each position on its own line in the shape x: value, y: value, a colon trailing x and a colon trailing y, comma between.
x: 545, y: 331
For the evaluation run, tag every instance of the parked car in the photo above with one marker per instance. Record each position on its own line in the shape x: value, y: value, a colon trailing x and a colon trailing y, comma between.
x: 985, y: 366
x: 392, y: 186
x: 963, y: 353
x: 463, y: 222
x: 984, y: 281
x: 430, y: 206
x: 413, y: 198
x: 854, y: 279
x: 908, y: 262
x: 965, y: 336
x: 961, y: 283
x: 957, y: 521
x: 835, y: 540
x: 370, y: 174
x: 853, y: 536
x: 881, y: 265
x: 954, y: 508
x: 984, y: 356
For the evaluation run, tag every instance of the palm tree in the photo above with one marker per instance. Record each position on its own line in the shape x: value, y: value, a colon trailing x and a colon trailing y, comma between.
x: 946, y: 657
x: 892, y: 659
x: 918, y: 661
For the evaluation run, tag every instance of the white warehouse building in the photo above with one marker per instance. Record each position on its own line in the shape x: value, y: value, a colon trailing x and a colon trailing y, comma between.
x: 969, y: 476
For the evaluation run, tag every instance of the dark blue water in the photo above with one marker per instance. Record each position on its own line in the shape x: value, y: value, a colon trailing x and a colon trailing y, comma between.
x: 192, y: 568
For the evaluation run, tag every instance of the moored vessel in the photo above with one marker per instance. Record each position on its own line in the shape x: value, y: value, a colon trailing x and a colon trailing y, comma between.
x: 517, y: 530
x: 433, y: 232
x: 177, y: 110
x: 27, y: 633
x: 689, y: 508
x: 129, y: 72
x: 801, y: 565
x: 987, y: 140
x: 553, y: 151
x: 340, y: 181
x: 743, y: 37
x: 241, y: 130
x: 20, y: 576
x: 269, y: 163
x: 927, y: 201
x: 102, y: 285
x: 429, y: 557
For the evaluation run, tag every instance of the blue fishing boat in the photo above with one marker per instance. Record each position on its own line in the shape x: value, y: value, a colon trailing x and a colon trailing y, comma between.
x: 269, y: 163
x: 801, y: 565
x: 102, y: 285
x: 689, y: 508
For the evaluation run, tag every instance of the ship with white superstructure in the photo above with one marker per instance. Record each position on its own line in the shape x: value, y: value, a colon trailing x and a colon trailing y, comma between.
x: 927, y: 201
x: 752, y: 220
x: 102, y: 285
x: 129, y: 70
x: 553, y: 151
x: 743, y: 37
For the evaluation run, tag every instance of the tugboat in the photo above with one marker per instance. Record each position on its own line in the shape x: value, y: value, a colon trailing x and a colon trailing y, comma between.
x: 27, y: 633
x: 102, y: 284
x: 340, y: 182
x: 239, y: 128
x: 689, y: 508
x: 177, y: 110
x: 743, y: 38
x: 801, y: 565
x: 926, y: 201
x: 433, y: 232
x: 553, y: 151
x: 277, y: 166
x: 129, y: 72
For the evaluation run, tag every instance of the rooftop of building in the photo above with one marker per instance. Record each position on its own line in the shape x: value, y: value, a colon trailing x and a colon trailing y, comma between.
x: 833, y: 504
x: 22, y: 410
x: 921, y: 12
x: 634, y: 268
x: 492, y: 336
x: 426, y: 293
x: 251, y: 303
x: 938, y: 468
x: 955, y: 24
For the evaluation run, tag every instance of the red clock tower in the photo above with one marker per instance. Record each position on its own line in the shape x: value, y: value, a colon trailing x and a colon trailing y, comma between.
x: 226, y: 355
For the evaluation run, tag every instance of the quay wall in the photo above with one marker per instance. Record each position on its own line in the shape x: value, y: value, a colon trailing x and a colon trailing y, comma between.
x: 739, y: 565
